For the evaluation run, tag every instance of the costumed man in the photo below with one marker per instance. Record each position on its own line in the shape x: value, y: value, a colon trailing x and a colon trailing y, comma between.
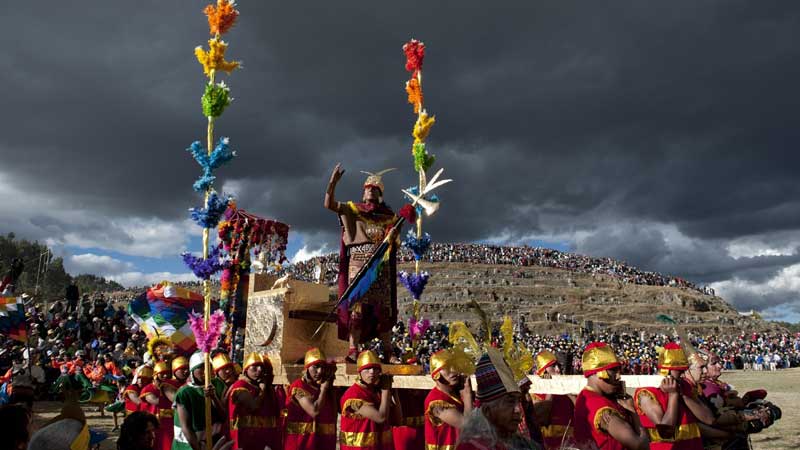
x: 671, y: 411
x: 364, y: 227
x: 180, y: 371
x: 311, y: 406
x: 144, y: 376
x: 190, y: 410
x: 604, y: 413
x: 446, y: 404
x: 254, y: 411
x: 368, y: 409
x: 157, y: 398
x: 553, y: 413
x: 494, y: 425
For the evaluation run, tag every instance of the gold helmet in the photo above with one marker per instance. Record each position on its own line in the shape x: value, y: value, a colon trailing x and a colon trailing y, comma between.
x: 314, y: 356
x: 255, y: 358
x: 672, y: 358
x: 180, y: 363
x: 544, y: 359
x: 368, y: 359
x: 145, y: 372
x: 597, y: 358
x: 161, y: 367
x: 439, y: 361
x: 220, y: 361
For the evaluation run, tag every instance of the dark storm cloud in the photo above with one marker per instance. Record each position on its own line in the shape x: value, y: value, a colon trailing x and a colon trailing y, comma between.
x: 553, y: 118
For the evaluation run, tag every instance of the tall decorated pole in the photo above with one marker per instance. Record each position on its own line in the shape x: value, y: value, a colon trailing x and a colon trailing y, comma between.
x: 216, y: 97
x: 417, y: 240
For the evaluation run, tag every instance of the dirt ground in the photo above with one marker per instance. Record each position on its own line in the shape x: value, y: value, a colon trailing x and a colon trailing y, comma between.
x: 783, y: 387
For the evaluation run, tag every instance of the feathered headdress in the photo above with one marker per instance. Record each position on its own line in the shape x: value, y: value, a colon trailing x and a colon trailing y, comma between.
x: 375, y: 179
x: 487, y: 325
x: 465, y: 351
x: 518, y: 358
x: 160, y: 347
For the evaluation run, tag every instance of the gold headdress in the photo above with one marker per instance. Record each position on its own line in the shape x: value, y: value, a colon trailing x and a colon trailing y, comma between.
x: 544, y: 359
x: 180, y: 363
x: 219, y: 361
x: 465, y: 352
x: 368, y: 359
x: 439, y: 361
x: 519, y: 358
x: 672, y: 358
x: 597, y: 358
x: 313, y: 356
x: 160, y: 368
x: 375, y: 179
x: 145, y: 372
x: 252, y: 359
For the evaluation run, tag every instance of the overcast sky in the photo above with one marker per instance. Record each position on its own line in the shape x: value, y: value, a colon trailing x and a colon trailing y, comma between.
x: 660, y: 133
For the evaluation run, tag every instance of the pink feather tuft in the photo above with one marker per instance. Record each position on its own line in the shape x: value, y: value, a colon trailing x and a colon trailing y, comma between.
x: 417, y: 328
x: 207, y: 339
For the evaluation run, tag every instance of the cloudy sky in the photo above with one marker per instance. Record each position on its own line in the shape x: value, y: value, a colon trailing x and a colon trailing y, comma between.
x: 660, y: 133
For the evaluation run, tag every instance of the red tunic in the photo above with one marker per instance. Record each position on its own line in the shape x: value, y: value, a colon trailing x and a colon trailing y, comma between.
x: 358, y: 432
x: 410, y: 433
x: 440, y: 435
x: 559, y: 428
x: 589, y: 408
x: 164, y: 412
x: 130, y: 406
x: 304, y: 432
x: 686, y: 436
x: 252, y: 430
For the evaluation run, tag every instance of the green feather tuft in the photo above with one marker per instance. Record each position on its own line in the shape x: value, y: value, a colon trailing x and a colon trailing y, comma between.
x: 422, y: 160
x: 215, y: 99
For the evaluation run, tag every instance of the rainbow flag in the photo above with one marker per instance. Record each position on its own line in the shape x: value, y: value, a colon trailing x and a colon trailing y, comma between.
x: 163, y: 310
x: 12, y: 318
x: 367, y: 275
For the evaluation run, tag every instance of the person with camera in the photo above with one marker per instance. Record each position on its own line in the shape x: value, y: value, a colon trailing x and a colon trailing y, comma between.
x: 253, y: 408
x: 553, y: 412
x: 604, y: 413
x: 311, y: 406
x: 368, y: 408
x: 670, y: 413
x: 446, y: 404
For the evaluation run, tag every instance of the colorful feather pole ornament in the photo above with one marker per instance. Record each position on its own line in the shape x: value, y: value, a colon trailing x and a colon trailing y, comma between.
x: 209, y: 216
x: 414, y: 282
x: 417, y: 246
x: 207, y: 338
x: 417, y: 328
x: 205, y: 268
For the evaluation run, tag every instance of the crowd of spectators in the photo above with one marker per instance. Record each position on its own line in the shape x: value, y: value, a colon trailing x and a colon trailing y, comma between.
x: 100, y: 339
x: 327, y: 266
x: 637, y: 350
x: 101, y: 336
